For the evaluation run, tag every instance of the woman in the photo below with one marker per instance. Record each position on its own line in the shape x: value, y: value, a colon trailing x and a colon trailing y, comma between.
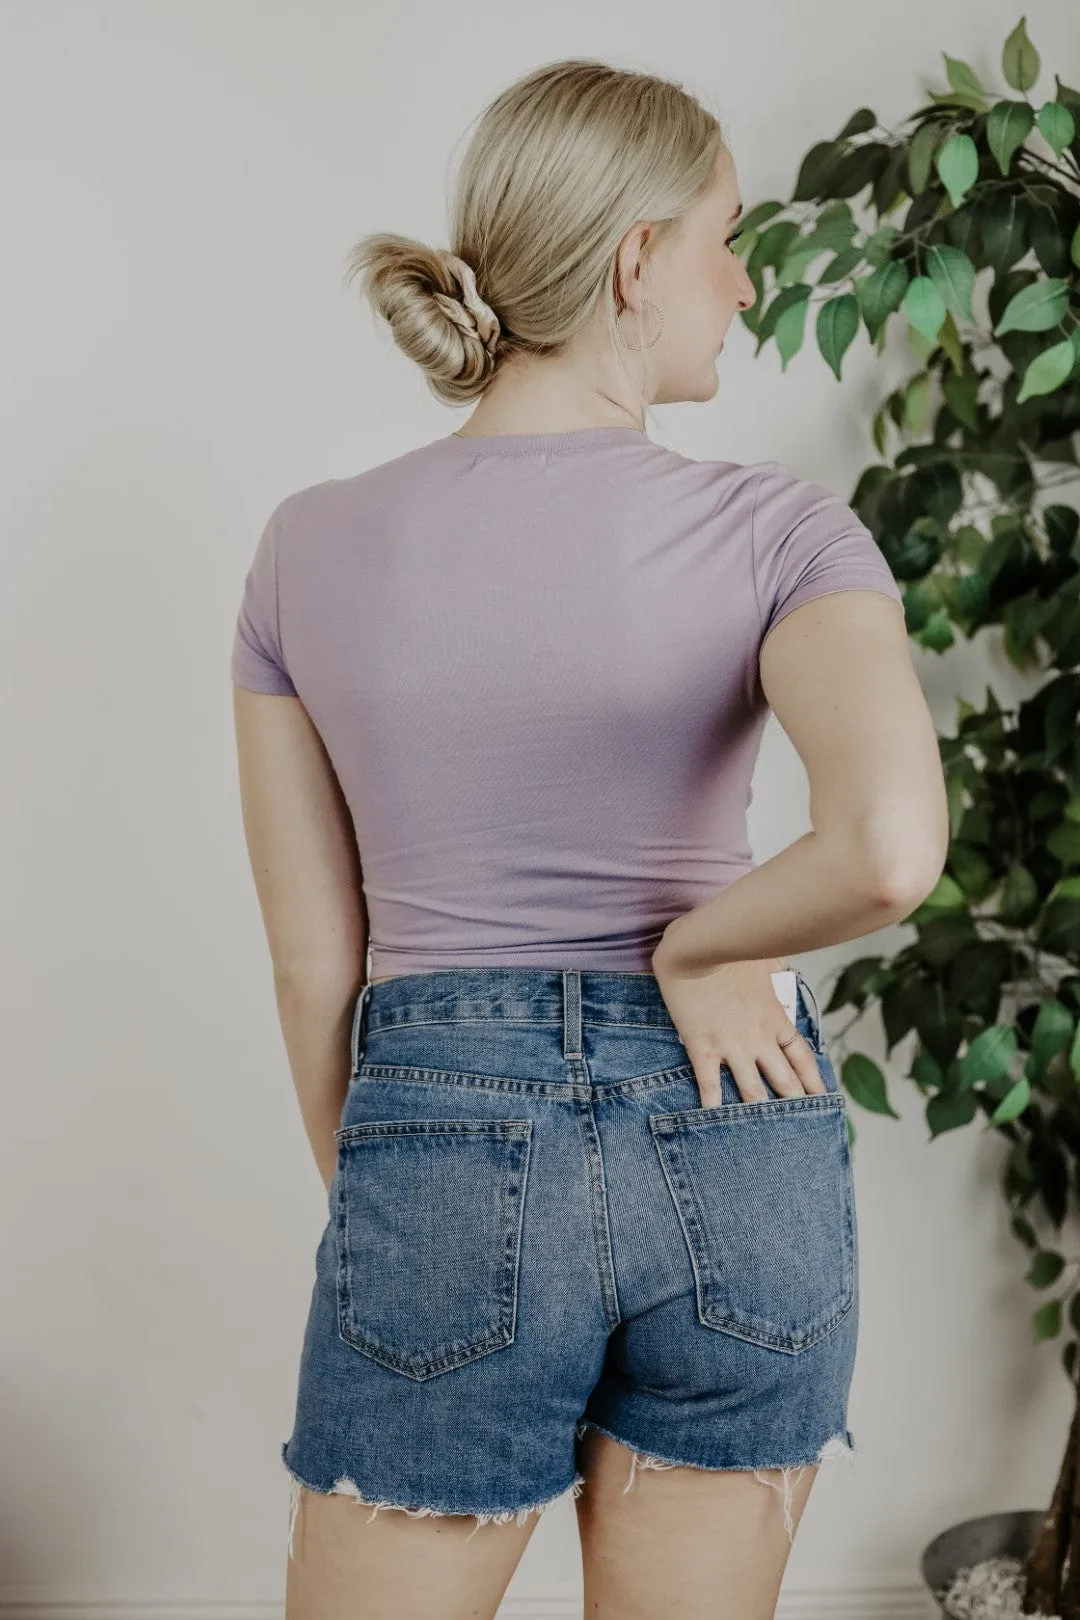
x: 499, y: 700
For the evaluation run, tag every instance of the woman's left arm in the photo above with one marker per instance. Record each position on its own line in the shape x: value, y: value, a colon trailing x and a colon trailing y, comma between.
x: 306, y: 866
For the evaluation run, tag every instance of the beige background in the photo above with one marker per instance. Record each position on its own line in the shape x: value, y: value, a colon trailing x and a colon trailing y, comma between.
x: 181, y: 183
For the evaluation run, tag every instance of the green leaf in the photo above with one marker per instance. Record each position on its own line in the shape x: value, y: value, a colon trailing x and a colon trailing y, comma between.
x: 946, y: 895
x: 971, y: 597
x: 949, y: 339
x: 962, y: 397
x: 1052, y: 1030
x: 937, y: 632
x: 1013, y: 1103
x: 957, y: 163
x: 1064, y: 842
x: 865, y: 1084
x: 816, y: 170
x: 796, y: 262
x: 829, y: 235
x: 837, y: 324
x: 759, y: 214
x: 924, y: 307
x: 858, y: 123
x: 958, y: 98
x: 989, y: 1056
x: 916, y: 404
x: 1056, y: 125
x: 879, y: 431
x: 842, y: 266
x: 1019, y: 894
x: 1046, y: 1267
x: 963, y: 78
x: 770, y: 316
x: 1074, y: 247
x: 926, y: 1071
x: 772, y: 245
x: 1048, y: 370
x: 789, y: 329
x: 1007, y: 128
x: 1047, y: 1319
x: 921, y: 148
x: 1003, y: 225
x: 881, y: 293
x: 878, y: 247
x: 953, y: 274
x: 1020, y: 59
x: 1036, y: 307
x: 950, y: 1110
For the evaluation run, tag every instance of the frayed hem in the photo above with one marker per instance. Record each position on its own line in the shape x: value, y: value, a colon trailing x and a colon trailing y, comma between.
x: 346, y: 1487
x: 838, y: 1445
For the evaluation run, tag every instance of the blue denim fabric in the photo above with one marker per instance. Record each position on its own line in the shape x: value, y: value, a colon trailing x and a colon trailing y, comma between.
x: 534, y: 1227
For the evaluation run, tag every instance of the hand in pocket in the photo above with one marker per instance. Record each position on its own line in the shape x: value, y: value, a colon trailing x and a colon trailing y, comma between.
x: 731, y: 1015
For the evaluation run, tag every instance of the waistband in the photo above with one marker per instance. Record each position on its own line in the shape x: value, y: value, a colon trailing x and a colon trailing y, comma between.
x: 574, y: 997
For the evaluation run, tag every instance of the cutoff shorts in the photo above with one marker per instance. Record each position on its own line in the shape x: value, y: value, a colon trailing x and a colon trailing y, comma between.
x: 536, y: 1227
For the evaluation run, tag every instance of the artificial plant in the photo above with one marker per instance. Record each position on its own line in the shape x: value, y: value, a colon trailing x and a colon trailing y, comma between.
x: 982, y: 265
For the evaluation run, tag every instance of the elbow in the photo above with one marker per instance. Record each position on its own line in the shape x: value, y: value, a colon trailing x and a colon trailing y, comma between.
x: 905, y: 847
x: 904, y: 884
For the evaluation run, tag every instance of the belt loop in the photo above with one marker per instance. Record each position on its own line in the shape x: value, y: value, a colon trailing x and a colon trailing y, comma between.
x: 358, y: 1026
x: 571, y: 988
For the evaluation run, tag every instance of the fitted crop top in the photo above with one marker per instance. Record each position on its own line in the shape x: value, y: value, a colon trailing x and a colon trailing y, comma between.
x: 532, y: 659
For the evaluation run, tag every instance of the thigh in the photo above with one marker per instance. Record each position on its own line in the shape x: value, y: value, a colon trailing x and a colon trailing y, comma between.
x: 350, y: 1563
x: 698, y: 1543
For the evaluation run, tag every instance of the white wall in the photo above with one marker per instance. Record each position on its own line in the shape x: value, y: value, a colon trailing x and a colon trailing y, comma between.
x: 181, y: 183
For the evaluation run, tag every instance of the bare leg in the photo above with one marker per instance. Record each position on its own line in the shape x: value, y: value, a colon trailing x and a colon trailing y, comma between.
x: 699, y: 1544
x: 350, y: 1562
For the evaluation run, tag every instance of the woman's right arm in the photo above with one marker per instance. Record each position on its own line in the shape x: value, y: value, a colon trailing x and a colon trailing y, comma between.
x: 837, y: 673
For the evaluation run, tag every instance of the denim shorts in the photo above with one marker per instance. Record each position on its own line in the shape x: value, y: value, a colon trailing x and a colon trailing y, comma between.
x: 535, y: 1227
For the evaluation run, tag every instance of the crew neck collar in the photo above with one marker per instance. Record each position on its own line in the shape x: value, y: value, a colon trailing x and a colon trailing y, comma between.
x: 524, y: 444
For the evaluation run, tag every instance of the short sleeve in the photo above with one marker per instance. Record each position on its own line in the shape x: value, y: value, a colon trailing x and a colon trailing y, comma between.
x: 258, y: 663
x: 807, y: 542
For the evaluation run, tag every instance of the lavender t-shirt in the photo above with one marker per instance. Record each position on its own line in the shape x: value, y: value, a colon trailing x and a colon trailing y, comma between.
x: 533, y: 661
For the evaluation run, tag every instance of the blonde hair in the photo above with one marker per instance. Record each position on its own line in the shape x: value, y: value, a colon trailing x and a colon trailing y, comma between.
x: 562, y: 163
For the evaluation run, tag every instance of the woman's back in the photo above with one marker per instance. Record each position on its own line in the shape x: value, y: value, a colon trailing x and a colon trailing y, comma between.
x: 533, y: 661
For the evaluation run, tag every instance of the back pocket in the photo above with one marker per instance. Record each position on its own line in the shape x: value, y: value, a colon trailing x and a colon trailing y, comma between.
x: 765, y: 1198
x: 428, y: 1222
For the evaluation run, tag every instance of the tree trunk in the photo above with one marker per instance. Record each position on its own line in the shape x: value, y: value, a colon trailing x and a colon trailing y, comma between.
x: 1053, y: 1565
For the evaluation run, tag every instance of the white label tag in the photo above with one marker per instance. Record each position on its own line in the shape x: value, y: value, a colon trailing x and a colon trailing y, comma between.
x: 786, y: 987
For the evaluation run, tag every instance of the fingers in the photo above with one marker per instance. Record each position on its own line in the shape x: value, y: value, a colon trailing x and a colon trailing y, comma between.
x: 791, y: 1071
x: 707, y: 1075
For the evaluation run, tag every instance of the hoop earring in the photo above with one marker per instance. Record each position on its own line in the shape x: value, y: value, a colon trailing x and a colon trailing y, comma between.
x: 637, y: 347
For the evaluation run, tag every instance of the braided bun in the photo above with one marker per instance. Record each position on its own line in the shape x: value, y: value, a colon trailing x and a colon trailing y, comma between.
x: 429, y: 298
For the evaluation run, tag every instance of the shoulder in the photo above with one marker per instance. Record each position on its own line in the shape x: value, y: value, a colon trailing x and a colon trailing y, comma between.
x: 776, y: 496
x: 332, y: 503
x: 783, y: 499
x: 718, y: 488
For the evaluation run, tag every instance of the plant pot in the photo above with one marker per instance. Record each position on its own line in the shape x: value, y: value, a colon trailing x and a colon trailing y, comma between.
x: 994, y: 1535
